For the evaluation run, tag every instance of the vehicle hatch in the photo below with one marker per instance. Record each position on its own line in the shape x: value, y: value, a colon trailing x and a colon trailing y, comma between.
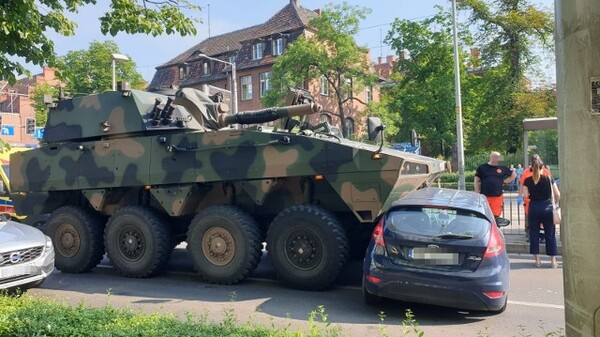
x: 436, y: 238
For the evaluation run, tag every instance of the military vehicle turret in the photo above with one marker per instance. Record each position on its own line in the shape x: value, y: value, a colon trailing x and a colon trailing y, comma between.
x: 133, y: 173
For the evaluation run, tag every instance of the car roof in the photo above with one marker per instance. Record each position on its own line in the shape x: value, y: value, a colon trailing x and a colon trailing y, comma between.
x: 435, y: 196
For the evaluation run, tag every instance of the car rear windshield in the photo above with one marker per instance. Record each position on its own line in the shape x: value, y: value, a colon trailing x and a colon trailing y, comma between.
x: 437, y: 222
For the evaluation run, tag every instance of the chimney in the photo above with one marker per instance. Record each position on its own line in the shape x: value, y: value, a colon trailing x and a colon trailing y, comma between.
x: 379, y: 58
x: 392, y: 58
x: 294, y: 2
x: 475, y: 53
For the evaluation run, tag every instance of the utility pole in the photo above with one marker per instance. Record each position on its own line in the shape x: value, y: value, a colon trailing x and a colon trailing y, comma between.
x: 458, y: 108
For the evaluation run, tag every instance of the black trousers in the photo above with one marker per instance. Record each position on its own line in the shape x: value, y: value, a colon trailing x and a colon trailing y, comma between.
x: 541, y: 212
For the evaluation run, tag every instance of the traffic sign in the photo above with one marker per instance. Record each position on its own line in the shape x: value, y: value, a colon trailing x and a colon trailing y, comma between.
x: 8, y: 130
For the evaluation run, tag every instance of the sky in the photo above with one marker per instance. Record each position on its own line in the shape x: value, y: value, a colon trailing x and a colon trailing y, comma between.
x: 229, y: 15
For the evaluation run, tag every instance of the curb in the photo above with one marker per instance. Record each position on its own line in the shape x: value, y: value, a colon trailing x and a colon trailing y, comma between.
x: 523, y: 248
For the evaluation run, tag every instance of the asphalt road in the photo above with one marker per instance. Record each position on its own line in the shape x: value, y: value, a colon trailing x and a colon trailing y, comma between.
x: 535, y: 307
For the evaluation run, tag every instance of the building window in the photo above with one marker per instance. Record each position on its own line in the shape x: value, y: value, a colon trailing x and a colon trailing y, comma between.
x: 205, y: 68
x: 265, y: 83
x: 349, y: 126
x: 368, y: 94
x: 277, y: 46
x: 324, y: 86
x: 183, y: 71
x: 246, y: 87
x: 325, y: 118
x: 348, y: 88
x: 257, y: 51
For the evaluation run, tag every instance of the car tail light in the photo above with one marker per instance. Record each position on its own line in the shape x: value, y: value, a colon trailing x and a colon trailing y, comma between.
x: 495, y: 245
x: 377, y: 235
x: 372, y: 279
x: 494, y: 294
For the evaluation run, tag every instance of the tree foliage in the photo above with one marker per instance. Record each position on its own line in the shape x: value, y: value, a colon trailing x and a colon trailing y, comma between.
x: 90, y: 71
x: 424, y: 91
x: 330, y: 53
x: 508, y: 31
x: 496, y: 94
x: 24, y: 25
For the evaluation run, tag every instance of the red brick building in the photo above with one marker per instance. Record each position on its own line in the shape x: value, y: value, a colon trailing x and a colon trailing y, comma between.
x: 254, y: 50
x: 16, y: 107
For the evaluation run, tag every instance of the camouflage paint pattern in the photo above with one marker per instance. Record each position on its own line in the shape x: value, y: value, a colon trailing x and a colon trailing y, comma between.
x: 109, y: 151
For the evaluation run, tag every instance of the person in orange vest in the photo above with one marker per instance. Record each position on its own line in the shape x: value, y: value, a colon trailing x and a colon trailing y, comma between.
x: 528, y: 172
x: 490, y: 179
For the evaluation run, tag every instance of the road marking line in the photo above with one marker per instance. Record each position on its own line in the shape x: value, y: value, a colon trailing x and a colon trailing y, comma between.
x: 347, y: 287
x: 541, y: 305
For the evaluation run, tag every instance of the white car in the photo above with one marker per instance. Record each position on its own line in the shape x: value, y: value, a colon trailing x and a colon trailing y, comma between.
x: 26, y: 255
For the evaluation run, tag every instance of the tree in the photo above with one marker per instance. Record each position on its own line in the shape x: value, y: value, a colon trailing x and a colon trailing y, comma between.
x: 24, y: 25
x: 424, y: 91
x: 508, y: 30
x: 90, y: 71
x: 330, y: 54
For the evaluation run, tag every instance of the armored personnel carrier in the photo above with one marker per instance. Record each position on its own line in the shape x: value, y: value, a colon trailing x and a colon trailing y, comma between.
x: 132, y: 174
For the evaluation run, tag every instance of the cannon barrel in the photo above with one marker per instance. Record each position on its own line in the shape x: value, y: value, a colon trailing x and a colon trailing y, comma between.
x: 269, y: 114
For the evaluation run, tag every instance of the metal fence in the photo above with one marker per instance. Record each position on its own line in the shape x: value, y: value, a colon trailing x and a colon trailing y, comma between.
x: 511, y: 211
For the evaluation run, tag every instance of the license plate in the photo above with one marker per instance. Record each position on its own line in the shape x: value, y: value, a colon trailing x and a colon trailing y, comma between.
x: 433, y: 256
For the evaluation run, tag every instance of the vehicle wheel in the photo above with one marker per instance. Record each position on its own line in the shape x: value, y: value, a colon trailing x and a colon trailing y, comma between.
x: 369, y: 298
x: 137, y: 242
x: 77, y: 238
x: 224, y: 243
x: 307, y: 247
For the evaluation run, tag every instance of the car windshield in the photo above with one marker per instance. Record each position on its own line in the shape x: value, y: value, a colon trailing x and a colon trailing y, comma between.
x: 439, y: 223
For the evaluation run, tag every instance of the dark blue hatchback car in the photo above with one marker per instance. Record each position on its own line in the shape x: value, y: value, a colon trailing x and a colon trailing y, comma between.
x: 439, y: 246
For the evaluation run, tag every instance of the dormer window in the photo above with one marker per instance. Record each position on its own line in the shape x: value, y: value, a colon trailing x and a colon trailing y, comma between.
x: 205, y: 68
x: 277, y: 46
x: 257, y: 51
x: 183, y: 71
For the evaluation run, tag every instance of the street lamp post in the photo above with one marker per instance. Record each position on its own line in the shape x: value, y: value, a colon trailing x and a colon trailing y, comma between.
x: 458, y: 108
x: 116, y: 58
x: 233, y: 80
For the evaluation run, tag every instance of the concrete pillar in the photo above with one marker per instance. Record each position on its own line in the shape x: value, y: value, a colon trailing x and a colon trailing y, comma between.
x: 578, y: 68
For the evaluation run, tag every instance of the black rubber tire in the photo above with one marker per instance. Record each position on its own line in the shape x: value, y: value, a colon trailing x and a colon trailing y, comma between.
x: 235, y: 230
x: 137, y: 242
x: 316, y: 229
x: 369, y: 298
x: 77, y: 238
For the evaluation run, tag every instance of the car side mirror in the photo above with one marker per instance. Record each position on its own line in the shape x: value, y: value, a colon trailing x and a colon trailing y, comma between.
x: 502, y: 222
x: 375, y: 128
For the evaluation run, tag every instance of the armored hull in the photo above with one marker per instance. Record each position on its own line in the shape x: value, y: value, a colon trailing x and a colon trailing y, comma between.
x: 120, y: 174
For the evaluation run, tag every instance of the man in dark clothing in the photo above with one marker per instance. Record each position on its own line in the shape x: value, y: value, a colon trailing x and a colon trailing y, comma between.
x: 489, y: 180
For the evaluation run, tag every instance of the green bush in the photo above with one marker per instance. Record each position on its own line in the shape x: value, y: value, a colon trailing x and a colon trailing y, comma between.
x: 24, y: 315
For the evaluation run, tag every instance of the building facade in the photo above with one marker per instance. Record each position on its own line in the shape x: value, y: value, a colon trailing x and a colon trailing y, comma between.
x: 17, y: 112
x: 254, y: 50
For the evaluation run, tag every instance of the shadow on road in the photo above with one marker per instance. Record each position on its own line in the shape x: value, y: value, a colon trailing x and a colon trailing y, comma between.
x: 343, y: 303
